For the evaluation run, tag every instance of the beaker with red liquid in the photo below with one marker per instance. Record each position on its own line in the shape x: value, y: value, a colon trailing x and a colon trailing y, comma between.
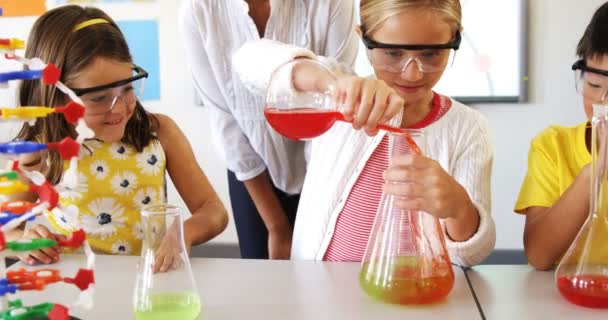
x: 302, y: 123
x: 406, y: 260
x: 304, y: 113
x: 582, y: 274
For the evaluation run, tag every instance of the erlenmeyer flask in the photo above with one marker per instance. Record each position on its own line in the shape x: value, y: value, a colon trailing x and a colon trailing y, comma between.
x: 171, y: 294
x: 307, y: 108
x: 582, y: 274
x: 406, y: 261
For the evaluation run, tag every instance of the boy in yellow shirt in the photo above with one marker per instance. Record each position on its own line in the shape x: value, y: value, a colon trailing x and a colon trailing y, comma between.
x: 555, y: 192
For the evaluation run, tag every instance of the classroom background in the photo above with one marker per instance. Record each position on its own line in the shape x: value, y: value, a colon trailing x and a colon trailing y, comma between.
x: 554, y: 27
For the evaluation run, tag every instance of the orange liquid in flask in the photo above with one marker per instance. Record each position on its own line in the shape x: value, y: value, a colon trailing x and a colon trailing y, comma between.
x: 406, y: 287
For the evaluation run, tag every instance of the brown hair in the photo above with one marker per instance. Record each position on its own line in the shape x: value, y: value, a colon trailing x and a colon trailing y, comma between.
x: 54, y: 40
x: 594, y: 42
x: 375, y: 12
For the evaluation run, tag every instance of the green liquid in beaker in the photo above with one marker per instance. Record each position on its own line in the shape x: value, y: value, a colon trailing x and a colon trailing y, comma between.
x: 406, y: 286
x: 182, y: 305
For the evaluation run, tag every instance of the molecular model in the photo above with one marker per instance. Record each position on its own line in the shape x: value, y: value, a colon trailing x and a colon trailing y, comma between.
x: 14, y: 214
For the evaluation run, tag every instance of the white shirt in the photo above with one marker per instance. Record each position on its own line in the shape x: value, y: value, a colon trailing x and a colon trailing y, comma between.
x: 213, y: 30
x: 459, y: 142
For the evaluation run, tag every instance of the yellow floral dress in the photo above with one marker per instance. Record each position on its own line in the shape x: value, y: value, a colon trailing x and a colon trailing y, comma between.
x: 114, y: 183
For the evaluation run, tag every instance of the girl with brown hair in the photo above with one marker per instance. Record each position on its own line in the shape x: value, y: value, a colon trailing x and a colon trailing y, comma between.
x: 123, y: 168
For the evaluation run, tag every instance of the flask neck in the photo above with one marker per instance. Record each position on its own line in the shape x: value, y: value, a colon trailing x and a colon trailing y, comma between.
x: 163, y: 229
x: 599, y: 161
x: 410, y: 141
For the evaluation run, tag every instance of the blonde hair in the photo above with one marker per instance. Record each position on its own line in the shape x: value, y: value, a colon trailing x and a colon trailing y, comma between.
x: 375, y: 12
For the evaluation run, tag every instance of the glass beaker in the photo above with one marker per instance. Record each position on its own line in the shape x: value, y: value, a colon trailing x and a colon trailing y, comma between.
x: 406, y: 260
x: 306, y: 108
x: 582, y: 274
x: 171, y: 294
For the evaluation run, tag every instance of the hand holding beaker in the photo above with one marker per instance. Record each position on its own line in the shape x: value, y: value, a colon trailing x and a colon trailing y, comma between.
x: 305, y: 99
x: 406, y: 260
x: 420, y: 183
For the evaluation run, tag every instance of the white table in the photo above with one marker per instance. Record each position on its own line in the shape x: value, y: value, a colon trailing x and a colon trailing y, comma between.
x: 257, y: 289
x: 520, y: 292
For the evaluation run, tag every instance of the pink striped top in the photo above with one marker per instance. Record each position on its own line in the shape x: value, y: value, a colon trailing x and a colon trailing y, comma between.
x: 356, y: 219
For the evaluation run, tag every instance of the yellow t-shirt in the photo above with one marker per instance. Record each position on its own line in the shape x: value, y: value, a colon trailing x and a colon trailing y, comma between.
x: 556, y: 157
x: 114, y: 183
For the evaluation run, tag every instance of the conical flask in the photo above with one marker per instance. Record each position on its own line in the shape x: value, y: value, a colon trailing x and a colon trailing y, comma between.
x: 171, y: 294
x: 582, y: 274
x: 406, y: 261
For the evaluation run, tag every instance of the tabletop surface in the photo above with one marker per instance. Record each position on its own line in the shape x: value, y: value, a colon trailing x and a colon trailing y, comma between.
x: 255, y: 289
x: 520, y: 292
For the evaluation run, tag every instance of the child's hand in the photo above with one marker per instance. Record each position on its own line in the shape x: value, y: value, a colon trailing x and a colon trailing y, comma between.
x: 44, y: 256
x: 367, y: 102
x: 168, y: 254
x: 422, y: 184
x: 279, y: 245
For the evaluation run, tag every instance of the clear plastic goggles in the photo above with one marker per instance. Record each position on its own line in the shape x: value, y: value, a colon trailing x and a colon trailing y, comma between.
x: 396, y: 58
x: 590, y: 82
x: 102, y: 99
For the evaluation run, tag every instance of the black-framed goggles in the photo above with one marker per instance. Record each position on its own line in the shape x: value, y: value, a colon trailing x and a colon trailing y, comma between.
x: 591, y: 82
x: 395, y: 58
x: 138, y: 73
x: 371, y: 44
x: 582, y: 65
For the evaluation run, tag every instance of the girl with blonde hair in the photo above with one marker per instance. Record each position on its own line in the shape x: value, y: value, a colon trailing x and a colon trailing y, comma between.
x: 409, y: 44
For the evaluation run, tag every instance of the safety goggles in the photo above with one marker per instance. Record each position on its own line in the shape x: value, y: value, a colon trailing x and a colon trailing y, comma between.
x: 102, y: 99
x: 590, y: 82
x: 396, y: 58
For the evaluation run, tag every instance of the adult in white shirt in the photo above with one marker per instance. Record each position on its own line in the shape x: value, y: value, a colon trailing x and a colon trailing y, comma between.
x: 265, y: 170
x: 409, y: 44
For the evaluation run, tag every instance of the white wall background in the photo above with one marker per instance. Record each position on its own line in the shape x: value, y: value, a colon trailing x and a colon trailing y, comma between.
x: 555, y: 27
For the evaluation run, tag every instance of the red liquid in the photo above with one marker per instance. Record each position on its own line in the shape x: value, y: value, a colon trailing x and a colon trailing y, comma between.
x: 585, y: 290
x: 298, y: 124
x: 308, y: 123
